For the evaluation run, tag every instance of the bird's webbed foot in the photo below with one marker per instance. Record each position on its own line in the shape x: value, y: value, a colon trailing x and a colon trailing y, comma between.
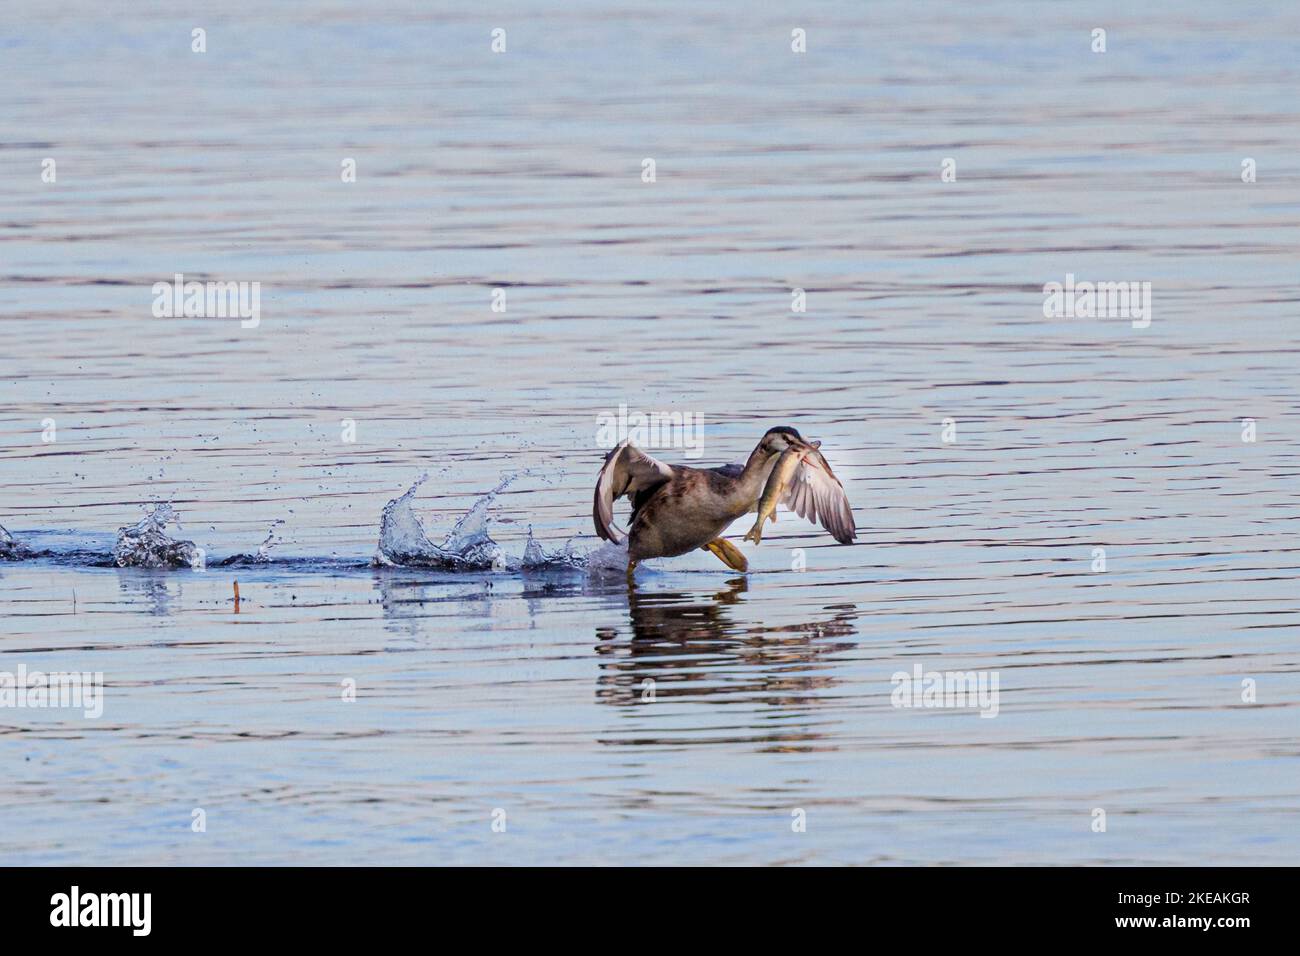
x: 727, y: 553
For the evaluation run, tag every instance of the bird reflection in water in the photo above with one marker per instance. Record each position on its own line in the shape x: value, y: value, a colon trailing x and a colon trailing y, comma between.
x: 690, y: 648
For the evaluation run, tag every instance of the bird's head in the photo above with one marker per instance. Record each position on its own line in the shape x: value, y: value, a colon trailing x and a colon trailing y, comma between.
x: 783, y: 438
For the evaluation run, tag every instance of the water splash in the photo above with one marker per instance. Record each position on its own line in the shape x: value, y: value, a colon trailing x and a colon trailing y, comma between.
x: 10, y: 549
x: 607, y: 560
x: 402, y: 542
x: 468, y: 546
x: 537, y: 558
x: 146, y: 544
x: 264, y: 549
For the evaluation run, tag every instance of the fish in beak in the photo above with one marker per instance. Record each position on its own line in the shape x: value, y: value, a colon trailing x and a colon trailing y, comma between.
x: 785, y: 468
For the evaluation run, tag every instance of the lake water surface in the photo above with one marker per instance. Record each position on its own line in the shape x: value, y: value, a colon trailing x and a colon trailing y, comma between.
x: 690, y: 720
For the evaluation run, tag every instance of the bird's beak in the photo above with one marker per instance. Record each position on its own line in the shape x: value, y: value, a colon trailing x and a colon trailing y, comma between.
x: 799, y: 445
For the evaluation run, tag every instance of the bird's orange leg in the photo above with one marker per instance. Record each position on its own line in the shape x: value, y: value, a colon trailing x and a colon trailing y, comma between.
x: 727, y: 553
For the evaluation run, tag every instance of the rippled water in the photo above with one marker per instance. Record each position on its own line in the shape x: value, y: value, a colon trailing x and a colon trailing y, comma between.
x: 526, y: 692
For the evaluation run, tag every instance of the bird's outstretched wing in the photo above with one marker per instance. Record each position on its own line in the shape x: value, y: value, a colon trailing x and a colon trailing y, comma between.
x: 627, y: 471
x: 816, y: 494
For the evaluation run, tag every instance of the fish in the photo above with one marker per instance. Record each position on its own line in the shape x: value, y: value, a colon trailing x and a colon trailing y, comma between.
x: 776, y: 484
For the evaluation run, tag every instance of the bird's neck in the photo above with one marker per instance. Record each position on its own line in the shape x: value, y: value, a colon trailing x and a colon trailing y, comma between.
x: 754, y: 477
